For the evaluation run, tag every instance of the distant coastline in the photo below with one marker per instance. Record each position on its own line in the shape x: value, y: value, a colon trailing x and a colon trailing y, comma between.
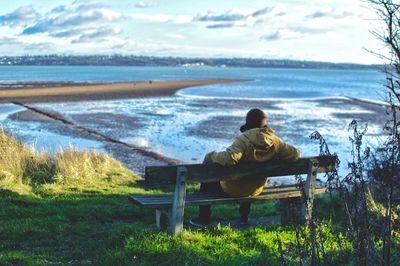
x: 133, y: 60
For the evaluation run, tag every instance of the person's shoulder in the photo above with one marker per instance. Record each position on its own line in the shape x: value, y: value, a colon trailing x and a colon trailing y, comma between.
x: 259, y: 136
x: 270, y: 137
x: 267, y: 130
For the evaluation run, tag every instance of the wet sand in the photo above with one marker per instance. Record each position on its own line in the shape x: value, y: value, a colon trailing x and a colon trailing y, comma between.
x: 64, y: 92
x: 223, y: 127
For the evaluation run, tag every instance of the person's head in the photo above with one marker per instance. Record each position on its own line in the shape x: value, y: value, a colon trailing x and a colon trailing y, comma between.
x: 255, y: 118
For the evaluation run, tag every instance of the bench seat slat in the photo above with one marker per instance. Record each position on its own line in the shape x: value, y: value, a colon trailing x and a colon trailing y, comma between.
x: 201, y: 196
x: 154, y: 197
x: 273, y: 189
x: 198, y: 198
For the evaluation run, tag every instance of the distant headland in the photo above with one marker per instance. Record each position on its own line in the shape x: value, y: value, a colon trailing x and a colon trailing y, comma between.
x: 135, y: 60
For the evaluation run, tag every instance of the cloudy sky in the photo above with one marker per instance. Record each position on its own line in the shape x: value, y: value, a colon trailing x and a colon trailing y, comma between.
x: 324, y: 30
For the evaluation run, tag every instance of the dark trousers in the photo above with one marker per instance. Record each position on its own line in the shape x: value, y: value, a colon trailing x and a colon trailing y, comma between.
x: 215, y: 187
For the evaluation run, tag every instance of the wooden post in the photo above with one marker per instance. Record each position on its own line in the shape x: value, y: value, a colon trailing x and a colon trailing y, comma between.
x: 309, y: 188
x: 178, y: 204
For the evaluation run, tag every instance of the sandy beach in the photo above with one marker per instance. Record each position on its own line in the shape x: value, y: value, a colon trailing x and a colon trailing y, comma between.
x: 63, y: 91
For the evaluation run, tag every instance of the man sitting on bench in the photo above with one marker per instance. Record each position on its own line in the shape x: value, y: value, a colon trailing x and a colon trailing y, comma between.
x: 258, y: 143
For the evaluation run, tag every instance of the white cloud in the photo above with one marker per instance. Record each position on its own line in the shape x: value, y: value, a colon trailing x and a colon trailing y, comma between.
x: 234, y: 14
x: 235, y: 17
x: 163, y: 18
x: 284, y: 34
x: 78, y: 23
x: 239, y: 17
x: 143, y: 4
x: 330, y: 12
x: 97, y: 34
x: 22, y: 16
x: 174, y: 36
x: 62, y: 19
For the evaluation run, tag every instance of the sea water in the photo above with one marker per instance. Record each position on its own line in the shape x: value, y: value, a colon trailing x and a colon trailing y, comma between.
x: 266, y: 82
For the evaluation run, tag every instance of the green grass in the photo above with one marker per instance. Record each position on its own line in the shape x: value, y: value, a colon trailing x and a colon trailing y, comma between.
x: 72, y: 208
x: 100, y: 226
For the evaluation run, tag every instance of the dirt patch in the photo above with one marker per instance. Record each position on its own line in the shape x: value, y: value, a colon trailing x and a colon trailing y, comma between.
x: 234, y: 104
x: 112, y: 124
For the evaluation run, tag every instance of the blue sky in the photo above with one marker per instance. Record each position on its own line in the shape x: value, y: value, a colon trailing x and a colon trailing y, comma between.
x: 324, y: 30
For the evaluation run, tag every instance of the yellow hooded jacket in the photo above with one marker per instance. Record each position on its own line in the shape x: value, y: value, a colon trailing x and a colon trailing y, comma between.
x: 259, y: 145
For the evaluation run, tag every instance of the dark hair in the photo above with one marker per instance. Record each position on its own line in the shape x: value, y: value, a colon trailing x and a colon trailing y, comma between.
x: 254, y: 118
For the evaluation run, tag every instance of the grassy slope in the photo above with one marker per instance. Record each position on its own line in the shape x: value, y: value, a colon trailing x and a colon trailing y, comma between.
x: 100, y: 226
x: 73, y: 209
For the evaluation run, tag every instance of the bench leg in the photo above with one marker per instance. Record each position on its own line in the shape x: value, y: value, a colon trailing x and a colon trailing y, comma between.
x: 178, y: 204
x: 163, y: 218
x: 299, y: 210
x: 309, y: 189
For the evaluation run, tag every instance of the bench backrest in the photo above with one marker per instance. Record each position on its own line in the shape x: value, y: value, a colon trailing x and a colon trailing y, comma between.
x: 166, y: 175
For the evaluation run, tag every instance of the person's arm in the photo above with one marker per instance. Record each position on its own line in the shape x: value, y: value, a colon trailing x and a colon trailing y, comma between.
x: 230, y: 156
x: 287, y: 152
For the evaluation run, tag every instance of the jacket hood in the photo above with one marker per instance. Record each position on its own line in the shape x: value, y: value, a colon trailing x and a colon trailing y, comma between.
x: 260, y: 138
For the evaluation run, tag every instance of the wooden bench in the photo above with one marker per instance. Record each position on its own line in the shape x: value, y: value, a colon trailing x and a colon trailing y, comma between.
x: 170, y: 207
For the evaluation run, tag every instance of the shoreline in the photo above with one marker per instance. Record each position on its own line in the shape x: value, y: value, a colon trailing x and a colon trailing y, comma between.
x: 36, y: 92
